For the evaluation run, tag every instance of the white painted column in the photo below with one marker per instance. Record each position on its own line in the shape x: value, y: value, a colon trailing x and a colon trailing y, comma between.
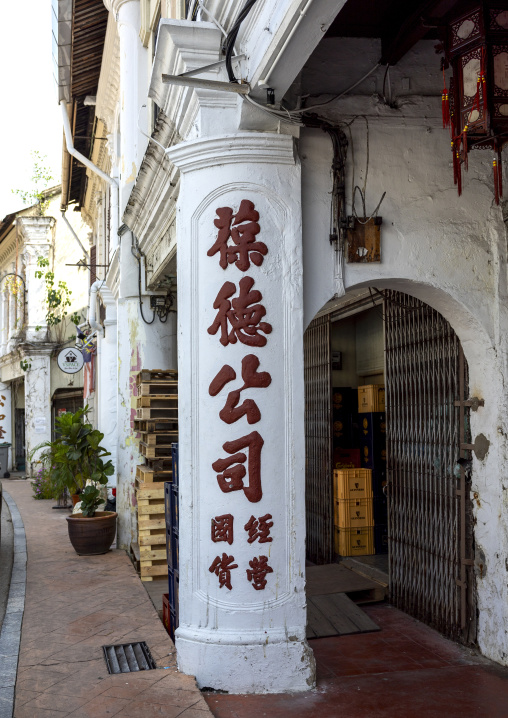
x: 133, y: 59
x: 37, y: 401
x: 36, y: 233
x: 242, y: 484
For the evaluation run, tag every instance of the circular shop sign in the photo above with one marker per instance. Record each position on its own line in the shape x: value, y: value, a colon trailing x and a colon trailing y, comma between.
x: 70, y: 360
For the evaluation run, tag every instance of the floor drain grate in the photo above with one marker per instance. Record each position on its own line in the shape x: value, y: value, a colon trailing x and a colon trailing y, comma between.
x: 128, y: 657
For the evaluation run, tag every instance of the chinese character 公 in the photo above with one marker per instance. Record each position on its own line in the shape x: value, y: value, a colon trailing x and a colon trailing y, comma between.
x: 251, y: 379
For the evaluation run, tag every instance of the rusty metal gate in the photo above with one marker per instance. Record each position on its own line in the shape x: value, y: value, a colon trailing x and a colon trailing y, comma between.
x: 430, y: 523
x: 318, y: 441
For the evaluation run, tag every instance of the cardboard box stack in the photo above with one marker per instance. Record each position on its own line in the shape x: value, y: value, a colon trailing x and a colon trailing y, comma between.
x: 359, y: 445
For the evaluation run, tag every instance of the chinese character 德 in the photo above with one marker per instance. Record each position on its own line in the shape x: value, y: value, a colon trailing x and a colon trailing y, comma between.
x: 222, y: 568
x: 222, y: 529
x: 256, y: 574
x: 242, y: 229
x: 231, y: 472
x: 251, y: 379
x: 242, y: 313
x: 259, y: 529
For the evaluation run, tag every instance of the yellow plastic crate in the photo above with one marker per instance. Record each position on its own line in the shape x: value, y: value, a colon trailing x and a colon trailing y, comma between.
x: 354, y: 542
x: 371, y: 397
x: 354, y: 513
x: 352, y: 483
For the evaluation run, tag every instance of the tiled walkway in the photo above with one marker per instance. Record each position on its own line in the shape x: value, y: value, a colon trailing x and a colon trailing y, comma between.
x: 406, y: 670
x: 74, y: 606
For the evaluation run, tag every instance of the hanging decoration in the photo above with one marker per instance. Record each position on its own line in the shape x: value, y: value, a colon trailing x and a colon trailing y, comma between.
x: 475, y: 107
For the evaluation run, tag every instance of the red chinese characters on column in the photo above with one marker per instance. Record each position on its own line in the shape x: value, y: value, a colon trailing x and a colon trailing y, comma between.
x: 258, y: 571
x: 251, y: 379
x: 222, y: 567
x: 231, y: 471
x: 222, y: 529
x: 243, y: 314
x: 242, y: 229
x: 259, y: 529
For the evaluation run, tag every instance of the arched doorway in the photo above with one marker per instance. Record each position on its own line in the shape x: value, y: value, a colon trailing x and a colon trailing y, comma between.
x: 429, y: 532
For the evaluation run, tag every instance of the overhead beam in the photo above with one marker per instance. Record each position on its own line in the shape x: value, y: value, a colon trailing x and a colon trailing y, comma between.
x: 413, y: 27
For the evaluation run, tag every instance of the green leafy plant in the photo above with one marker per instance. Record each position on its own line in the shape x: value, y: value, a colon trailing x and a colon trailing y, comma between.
x: 25, y: 364
x: 41, y: 178
x: 78, y: 460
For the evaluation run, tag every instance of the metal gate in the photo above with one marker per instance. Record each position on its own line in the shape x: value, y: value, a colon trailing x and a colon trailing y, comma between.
x: 318, y: 441
x: 430, y: 522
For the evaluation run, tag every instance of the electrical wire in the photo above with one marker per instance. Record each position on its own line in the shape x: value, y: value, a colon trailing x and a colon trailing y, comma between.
x: 231, y: 38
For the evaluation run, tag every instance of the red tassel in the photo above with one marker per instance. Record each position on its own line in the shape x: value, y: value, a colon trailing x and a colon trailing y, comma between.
x: 457, y: 171
x: 496, y: 180
x: 484, y: 84
x: 445, y: 104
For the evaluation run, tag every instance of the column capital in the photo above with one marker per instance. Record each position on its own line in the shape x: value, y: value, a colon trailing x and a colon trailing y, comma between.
x: 35, y: 230
x: 114, y: 6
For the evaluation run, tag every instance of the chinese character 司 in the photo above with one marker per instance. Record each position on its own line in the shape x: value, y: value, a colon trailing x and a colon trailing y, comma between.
x: 231, y: 472
x: 222, y: 568
x: 242, y: 229
x: 222, y: 529
x: 251, y: 379
x: 259, y: 529
x: 242, y: 313
x: 256, y: 574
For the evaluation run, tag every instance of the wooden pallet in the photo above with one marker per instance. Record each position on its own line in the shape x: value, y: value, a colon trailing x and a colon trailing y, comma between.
x: 156, y: 375
x: 166, y: 388
x: 158, y: 412
x: 146, y: 475
x: 150, y: 491
x: 156, y: 426
x: 159, y: 465
x: 158, y: 401
x: 162, y: 451
x: 165, y: 438
x: 152, y: 534
x: 134, y: 555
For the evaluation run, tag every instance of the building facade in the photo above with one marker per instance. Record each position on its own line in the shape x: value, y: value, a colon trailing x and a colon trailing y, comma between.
x: 244, y: 205
x: 33, y: 388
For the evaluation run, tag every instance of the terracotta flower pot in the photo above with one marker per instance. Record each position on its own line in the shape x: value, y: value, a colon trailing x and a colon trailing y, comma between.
x: 92, y: 536
x: 75, y: 498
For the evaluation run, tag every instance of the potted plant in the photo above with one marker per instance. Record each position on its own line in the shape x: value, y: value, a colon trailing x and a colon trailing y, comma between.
x: 78, y: 462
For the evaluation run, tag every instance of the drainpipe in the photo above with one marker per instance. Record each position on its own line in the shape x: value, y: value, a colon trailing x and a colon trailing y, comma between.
x: 71, y: 229
x: 92, y: 304
x: 84, y: 160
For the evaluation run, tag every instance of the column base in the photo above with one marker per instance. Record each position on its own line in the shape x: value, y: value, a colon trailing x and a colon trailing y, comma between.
x: 245, y: 666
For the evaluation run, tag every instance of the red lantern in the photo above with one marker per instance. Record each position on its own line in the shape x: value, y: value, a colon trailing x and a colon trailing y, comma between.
x: 476, y: 107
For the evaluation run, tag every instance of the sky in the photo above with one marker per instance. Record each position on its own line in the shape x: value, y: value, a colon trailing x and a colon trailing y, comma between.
x: 30, y: 118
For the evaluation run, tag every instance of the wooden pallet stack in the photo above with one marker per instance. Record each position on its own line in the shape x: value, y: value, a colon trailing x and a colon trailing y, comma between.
x: 157, y: 422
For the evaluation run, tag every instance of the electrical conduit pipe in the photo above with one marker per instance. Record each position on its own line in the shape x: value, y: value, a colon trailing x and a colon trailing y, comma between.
x: 84, y: 160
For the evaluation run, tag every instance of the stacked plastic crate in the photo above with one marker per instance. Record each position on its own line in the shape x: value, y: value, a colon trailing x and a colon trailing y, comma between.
x: 372, y: 444
x: 171, y: 600
x: 157, y: 421
x: 354, y: 521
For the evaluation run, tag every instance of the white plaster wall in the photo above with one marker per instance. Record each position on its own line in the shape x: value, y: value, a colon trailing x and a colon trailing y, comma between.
x: 446, y: 250
x: 37, y: 404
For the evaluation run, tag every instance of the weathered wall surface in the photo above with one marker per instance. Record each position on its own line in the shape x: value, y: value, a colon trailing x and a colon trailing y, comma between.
x: 447, y: 250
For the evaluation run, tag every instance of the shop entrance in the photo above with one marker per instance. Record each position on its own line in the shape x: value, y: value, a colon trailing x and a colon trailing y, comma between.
x: 419, y: 523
